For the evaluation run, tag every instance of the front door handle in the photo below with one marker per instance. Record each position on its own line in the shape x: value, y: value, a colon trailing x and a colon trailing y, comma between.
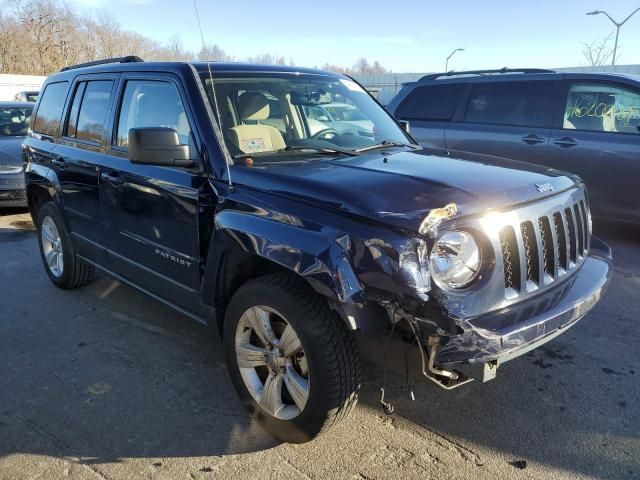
x: 566, y: 142
x: 113, y: 179
x: 60, y: 162
x: 532, y: 139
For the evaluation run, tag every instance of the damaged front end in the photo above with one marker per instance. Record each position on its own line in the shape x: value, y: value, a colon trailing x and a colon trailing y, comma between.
x: 472, y: 292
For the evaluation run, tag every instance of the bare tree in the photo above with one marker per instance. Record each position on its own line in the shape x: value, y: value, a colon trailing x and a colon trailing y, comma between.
x: 44, y: 23
x: 268, y: 58
x: 213, y: 52
x: 107, y: 35
x: 599, y: 52
x: 10, y: 49
x: 39, y: 37
x: 363, y: 67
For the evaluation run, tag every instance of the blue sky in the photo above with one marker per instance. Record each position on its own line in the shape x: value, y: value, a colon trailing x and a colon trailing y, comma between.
x: 406, y: 36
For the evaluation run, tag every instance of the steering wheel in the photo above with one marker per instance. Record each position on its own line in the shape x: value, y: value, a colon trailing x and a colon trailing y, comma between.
x: 325, y: 132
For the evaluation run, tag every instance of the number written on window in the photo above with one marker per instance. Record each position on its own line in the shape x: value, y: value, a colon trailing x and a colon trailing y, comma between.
x: 602, y: 108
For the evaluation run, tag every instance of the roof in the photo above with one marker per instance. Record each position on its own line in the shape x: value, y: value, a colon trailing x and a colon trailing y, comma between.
x: 258, y: 67
x: 17, y: 105
x: 523, y: 74
x: 183, y: 66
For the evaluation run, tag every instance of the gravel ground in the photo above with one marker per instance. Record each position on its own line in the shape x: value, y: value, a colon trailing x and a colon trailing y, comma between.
x: 103, y: 382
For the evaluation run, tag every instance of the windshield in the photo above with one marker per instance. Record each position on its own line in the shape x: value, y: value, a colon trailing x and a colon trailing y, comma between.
x: 14, y: 122
x: 276, y: 116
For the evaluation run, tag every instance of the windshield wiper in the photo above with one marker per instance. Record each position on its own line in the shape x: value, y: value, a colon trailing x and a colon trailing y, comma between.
x: 326, y: 150
x: 387, y: 143
x: 292, y: 148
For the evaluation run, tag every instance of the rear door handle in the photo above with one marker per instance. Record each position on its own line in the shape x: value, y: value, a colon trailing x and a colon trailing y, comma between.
x: 532, y: 139
x: 60, y: 162
x: 566, y: 142
x: 113, y: 179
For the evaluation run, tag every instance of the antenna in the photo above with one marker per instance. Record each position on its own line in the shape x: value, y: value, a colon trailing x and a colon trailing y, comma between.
x: 215, y: 99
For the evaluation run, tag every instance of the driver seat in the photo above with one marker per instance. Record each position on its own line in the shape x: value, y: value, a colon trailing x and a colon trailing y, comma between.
x: 255, y: 138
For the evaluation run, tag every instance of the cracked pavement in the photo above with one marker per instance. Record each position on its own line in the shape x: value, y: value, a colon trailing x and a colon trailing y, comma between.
x: 103, y: 382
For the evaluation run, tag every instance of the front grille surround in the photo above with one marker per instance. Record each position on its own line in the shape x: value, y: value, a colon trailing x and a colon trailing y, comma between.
x: 532, y: 248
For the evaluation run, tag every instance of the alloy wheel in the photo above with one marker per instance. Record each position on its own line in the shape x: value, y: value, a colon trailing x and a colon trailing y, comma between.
x: 272, y: 362
x: 52, y: 246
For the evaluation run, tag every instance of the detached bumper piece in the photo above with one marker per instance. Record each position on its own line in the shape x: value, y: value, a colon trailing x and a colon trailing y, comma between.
x: 490, y: 340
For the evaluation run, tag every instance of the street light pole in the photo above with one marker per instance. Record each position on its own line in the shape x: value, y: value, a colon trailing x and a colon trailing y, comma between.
x: 618, y: 25
x: 446, y: 65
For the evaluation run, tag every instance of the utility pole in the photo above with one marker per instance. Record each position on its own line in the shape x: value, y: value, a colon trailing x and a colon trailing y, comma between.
x: 617, y: 24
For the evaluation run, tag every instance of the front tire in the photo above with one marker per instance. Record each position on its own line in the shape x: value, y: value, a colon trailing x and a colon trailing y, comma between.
x: 61, y: 263
x: 292, y: 360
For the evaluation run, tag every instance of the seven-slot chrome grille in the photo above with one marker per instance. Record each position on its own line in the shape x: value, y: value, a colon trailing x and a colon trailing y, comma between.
x: 537, y: 251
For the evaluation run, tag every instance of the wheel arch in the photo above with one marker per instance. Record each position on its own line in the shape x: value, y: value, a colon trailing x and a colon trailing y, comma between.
x: 42, y: 186
x: 244, y: 247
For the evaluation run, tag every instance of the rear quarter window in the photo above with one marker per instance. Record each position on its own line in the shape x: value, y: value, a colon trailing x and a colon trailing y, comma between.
x: 432, y: 102
x: 47, y: 119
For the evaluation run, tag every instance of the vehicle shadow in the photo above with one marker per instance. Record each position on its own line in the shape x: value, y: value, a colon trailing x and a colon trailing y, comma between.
x: 105, y: 373
x: 9, y: 211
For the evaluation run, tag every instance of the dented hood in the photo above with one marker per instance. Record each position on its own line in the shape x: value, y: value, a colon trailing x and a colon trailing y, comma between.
x: 402, y: 187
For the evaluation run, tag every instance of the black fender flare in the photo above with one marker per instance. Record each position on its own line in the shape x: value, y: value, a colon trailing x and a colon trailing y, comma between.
x: 45, y: 178
x: 314, y: 255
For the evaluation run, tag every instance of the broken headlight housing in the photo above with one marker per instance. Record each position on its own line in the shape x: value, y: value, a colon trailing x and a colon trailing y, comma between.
x: 455, y: 260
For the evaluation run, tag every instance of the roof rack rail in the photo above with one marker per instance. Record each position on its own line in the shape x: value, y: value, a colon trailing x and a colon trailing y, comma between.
x: 453, y: 73
x: 127, y: 59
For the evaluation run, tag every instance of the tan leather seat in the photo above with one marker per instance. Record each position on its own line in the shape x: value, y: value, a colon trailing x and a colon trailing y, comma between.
x: 255, y: 138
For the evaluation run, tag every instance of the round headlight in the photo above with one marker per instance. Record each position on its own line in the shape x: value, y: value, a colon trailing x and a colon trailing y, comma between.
x: 455, y: 260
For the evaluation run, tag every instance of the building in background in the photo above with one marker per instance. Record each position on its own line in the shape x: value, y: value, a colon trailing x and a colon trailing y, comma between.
x: 12, y: 84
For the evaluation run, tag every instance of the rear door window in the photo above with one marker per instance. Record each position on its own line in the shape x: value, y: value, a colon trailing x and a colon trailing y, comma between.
x: 93, y: 110
x: 432, y: 102
x: 47, y: 118
x: 602, y: 107
x: 523, y: 104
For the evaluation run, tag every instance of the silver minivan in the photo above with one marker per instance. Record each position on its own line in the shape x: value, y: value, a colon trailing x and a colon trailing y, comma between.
x: 585, y: 123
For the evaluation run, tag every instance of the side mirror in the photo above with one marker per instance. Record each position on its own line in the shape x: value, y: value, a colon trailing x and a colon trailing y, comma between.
x: 405, y: 124
x: 158, y: 146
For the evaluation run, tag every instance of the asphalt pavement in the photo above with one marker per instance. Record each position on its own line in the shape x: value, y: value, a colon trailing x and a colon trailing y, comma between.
x: 103, y: 382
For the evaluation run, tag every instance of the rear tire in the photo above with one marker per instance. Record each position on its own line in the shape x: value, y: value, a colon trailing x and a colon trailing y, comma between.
x: 64, y: 268
x: 307, y: 392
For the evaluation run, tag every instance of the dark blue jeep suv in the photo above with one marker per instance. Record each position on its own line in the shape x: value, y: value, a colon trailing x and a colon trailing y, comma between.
x: 206, y: 186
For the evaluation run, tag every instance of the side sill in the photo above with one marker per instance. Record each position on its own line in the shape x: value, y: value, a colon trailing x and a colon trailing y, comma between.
x: 197, y: 318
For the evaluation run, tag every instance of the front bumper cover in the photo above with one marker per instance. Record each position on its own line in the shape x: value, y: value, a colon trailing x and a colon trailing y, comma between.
x: 492, y: 339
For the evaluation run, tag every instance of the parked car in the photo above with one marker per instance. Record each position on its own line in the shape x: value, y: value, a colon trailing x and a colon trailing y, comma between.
x: 27, y: 96
x: 586, y: 123
x: 341, y: 117
x: 14, y: 123
x: 301, y: 248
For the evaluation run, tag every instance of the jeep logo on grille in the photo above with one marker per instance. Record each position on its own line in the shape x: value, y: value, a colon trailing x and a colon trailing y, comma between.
x: 544, y: 187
